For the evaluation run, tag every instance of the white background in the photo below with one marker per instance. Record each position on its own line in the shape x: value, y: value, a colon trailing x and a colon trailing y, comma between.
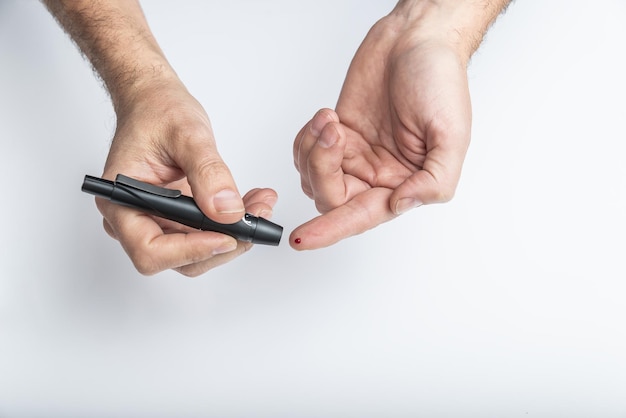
x: 508, y: 301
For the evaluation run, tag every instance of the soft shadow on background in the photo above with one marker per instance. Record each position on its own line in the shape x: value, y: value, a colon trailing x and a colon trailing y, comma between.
x: 507, y: 301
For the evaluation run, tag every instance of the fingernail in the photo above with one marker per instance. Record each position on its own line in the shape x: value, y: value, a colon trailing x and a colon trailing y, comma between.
x: 328, y: 137
x: 225, y: 248
x: 317, y: 125
x: 406, y: 204
x: 228, y: 201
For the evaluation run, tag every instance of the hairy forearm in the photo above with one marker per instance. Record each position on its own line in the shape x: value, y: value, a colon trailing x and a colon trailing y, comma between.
x: 115, y: 37
x: 461, y: 23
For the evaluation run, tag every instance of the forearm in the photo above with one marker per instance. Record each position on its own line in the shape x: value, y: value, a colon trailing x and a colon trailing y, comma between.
x: 462, y: 24
x: 114, y: 35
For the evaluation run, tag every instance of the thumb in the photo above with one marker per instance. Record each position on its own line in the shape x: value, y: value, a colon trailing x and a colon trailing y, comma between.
x: 435, y: 183
x: 211, y: 181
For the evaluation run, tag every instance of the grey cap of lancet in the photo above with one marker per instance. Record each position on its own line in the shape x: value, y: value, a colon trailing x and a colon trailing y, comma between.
x: 267, y: 232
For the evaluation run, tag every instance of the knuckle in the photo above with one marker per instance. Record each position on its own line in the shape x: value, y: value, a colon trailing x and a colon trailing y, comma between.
x: 145, y: 265
x: 191, y: 271
x: 144, y: 262
x: 317, y: 165
x: 445, y: 194
x: 436, y: 187
x: 190, y: 130
x: 306, y: 188
x: 323, y: 207
x: 297, y: 143
x: 109, y: 229
x: 212, y: 167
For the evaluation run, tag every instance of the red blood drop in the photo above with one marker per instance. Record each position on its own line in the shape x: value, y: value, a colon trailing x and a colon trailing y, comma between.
x: 297, y: 240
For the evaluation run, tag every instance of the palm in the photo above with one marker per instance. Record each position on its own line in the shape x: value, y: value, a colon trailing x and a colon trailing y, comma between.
x: 403, y: 121
x: 394, y: 105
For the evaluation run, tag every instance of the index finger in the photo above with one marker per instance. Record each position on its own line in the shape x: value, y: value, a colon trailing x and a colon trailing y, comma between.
x: 365, y: 211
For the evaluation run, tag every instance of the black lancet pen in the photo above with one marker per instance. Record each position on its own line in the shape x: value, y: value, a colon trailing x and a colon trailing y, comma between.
x: 173, y: 205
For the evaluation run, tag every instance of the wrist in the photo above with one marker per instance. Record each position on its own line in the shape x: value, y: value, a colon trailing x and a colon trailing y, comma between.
x: 114, y: 35
x: 131, y: 82
x: 461, y: 25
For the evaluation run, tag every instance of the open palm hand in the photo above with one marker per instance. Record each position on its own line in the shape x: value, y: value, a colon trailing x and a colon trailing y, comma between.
x: 397, y: 139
